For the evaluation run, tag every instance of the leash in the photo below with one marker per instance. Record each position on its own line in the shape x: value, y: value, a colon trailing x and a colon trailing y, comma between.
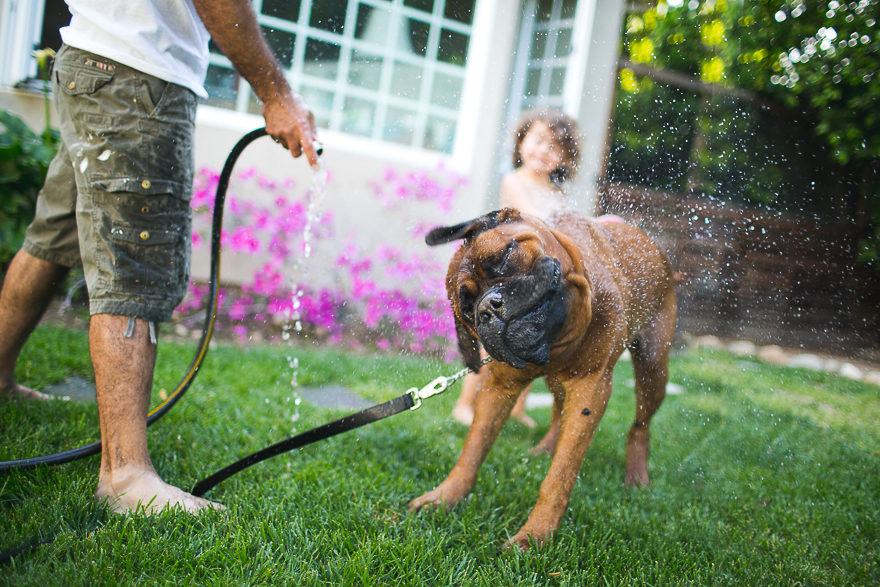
x: 411, y: 400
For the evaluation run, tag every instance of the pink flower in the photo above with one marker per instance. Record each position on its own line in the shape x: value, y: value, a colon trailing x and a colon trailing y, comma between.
x: 247, y: 173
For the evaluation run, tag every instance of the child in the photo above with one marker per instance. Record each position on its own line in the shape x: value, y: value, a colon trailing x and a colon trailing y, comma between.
x: 545, y: 155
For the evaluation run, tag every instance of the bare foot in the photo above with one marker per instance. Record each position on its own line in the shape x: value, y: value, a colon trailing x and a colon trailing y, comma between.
x: 525, y: 419
x: 16, y: 391
x: 463, y: 414
x: 146, y: 492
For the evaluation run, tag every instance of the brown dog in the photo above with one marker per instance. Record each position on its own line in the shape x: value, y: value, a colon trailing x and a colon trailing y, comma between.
x: 562, y: 302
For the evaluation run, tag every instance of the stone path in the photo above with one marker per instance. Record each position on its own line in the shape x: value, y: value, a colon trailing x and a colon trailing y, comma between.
x: 76, y: 388
x: 334, y: 396
x: 776, y: 355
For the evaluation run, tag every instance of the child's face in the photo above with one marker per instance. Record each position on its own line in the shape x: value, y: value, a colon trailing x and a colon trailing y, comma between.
x: 539, y: 150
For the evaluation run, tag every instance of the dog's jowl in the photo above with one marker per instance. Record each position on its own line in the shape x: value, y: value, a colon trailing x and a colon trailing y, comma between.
x: 560, y: 300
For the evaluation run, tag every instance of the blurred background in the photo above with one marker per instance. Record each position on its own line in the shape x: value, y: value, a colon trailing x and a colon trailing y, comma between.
x: 743, y: 135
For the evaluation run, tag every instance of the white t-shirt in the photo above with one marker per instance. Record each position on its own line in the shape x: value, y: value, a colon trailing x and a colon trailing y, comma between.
x: 164, y: 38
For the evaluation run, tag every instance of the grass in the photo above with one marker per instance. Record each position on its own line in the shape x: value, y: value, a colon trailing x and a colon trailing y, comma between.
x: 761, y: 476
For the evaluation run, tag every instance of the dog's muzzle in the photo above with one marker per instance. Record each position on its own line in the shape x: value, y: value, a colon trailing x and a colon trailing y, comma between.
x: 518, y: 320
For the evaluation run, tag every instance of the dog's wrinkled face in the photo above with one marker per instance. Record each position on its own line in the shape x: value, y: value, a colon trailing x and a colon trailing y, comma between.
x: 504, y: 288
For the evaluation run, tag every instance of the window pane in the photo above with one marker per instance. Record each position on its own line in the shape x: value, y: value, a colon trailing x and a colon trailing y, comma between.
x: 557, y: 81
x: 453, y: 47
x: 286, y: 9
x: 439, y: 134
x: 320, y: 102
x: 533, y: 82
x: 460, y: 10
x: 399, y: 125
x: 358, y: 116
x: 545, y: 8
x: 365, y: 70
x: 221, y: 84
x: 281, y: 43
x: 373, y: 25
x: 426, y: 5
x: 539, y: 45
x: 328, y: 15
x: 363, y: 18
x: 322, y: 59
x: 415, y: 40
x: 255, y: 106
x: 568, y: 8
x: 406, y: 80
x: 446, y: 91
x: 563, y: 43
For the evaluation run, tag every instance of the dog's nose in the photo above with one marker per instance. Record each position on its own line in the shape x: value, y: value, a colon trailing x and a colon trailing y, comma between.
x: 490, y: 306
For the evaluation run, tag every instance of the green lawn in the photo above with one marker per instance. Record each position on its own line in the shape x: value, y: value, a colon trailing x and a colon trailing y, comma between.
x: 761, y: 476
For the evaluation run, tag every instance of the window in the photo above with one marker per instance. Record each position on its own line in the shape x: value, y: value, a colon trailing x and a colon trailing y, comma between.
x: 390, y: 70
x: 545, y: 53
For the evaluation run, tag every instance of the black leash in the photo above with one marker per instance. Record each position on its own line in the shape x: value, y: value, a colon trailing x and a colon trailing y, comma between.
x: 368, y: 416
x: 411, y: 400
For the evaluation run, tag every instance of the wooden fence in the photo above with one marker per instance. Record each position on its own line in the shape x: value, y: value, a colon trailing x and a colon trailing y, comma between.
x: 756, y: 275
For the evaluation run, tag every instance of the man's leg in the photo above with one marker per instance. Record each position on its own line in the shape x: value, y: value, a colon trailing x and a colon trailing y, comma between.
x: 27, y: 290
x: 124, y: 377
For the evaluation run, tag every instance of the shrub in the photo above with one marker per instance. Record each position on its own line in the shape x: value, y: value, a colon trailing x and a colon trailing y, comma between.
x: 383, y: 298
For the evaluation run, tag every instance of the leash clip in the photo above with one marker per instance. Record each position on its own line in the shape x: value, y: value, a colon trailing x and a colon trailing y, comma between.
x: 437, y: 386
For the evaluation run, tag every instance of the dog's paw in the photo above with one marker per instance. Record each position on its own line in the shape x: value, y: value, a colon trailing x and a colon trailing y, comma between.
x: 444, y: 497
x: 430, y: 499
x: 524, y: 540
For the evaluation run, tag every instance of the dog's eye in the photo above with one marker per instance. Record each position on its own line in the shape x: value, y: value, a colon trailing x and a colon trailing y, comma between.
x: 501, y: 268
x: 466, y: 304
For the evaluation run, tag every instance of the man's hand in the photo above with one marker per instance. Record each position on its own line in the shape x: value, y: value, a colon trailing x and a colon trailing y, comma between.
x: 290, y: 122
x: 233, y: 26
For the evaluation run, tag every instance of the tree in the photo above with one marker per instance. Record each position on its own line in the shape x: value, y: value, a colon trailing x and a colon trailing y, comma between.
x: 701, y: 78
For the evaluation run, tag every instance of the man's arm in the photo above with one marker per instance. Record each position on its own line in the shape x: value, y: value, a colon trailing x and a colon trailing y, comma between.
x: 233, y: 26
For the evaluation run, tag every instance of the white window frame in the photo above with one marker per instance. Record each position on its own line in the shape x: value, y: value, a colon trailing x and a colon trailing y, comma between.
x: 575, y: 63
x: 467, y: 115
x: 21, y: 24
x: 20, y: 30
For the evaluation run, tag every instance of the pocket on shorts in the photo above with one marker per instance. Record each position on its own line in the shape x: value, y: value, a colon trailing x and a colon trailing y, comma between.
x: 76, y: 79
x: 146, y: 225
x: 144, y: 259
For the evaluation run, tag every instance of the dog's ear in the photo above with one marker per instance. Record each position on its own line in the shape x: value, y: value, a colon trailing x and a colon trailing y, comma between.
x: 471, y: 228
x: 468, y: 346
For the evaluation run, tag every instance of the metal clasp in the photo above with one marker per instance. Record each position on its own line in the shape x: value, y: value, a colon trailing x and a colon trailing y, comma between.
x: 437, y: 386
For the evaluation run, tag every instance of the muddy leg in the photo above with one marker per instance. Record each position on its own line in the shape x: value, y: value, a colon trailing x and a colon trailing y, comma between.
x: 580, y: 419
x: 650, y: 353
x: 492, y: 409
x: 548, y: 443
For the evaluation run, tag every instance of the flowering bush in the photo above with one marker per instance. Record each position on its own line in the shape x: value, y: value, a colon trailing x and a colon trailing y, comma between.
x: 384, y: 298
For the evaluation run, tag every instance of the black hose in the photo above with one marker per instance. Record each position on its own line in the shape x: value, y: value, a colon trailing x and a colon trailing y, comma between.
x: 207, y: 330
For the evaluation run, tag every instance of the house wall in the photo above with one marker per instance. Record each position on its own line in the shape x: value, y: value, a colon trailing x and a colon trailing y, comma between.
x: 353, y: 162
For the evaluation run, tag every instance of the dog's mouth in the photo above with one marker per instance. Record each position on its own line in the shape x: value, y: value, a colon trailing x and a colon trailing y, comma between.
x: 518, y: 320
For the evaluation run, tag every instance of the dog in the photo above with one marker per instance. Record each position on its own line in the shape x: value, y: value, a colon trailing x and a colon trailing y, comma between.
x: 562, y: 300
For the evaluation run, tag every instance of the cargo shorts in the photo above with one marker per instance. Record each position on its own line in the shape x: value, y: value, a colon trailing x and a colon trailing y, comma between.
x: 116, y: 197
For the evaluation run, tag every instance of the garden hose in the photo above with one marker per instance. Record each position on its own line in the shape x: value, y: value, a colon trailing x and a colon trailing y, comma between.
x: 207, y: 330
